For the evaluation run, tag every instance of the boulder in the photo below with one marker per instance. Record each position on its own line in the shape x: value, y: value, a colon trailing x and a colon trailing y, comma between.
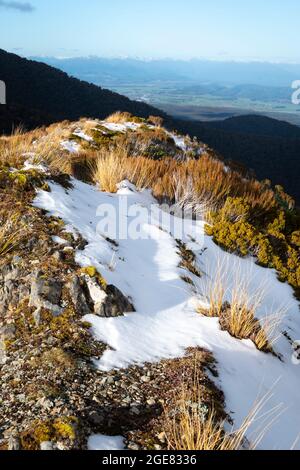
x: 113, y: 304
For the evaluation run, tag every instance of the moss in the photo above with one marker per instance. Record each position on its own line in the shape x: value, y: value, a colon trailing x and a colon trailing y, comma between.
x: 92, y: 272
x: 25, y: 180
x: 103, y: 136
x: 63, y: 428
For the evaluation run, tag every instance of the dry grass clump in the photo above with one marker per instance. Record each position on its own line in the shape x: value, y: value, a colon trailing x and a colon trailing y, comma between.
x: 58, y: 359
x: 201, y: 185
x: 38, y: 145
x: 13, y: 148
x: 121, y: 117
x: 238, y: 314
x: 109, y: 170
x: 195, y: 426
x: 10, y: 234
x: 156, y: 120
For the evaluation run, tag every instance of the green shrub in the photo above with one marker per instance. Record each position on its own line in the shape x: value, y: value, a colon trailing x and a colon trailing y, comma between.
x: 270, y: 238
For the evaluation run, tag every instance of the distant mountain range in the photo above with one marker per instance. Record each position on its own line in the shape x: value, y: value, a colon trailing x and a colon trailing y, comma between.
x: 105, y: 70
x: 38, y: 94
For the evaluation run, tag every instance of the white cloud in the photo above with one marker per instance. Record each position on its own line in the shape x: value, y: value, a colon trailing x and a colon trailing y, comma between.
x: 25, y: 7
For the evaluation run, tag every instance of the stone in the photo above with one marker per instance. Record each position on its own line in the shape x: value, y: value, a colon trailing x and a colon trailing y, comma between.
x: 8, y: 332
x: 96, y: 418
x: 113, y: 304
x: 162, y: 437
x: 79, y: 293
x: 151, y: 402
x: 12, y: 287
x: 145, y: 379
x: 47, y: 445
x: 45, y: 293
x: 13, y: 443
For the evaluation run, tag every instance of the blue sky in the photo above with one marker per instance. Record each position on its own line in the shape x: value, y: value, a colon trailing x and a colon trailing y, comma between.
x: 216, y: 29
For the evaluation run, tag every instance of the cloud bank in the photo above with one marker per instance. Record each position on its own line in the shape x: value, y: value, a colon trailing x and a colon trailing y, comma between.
x: 20, y: 6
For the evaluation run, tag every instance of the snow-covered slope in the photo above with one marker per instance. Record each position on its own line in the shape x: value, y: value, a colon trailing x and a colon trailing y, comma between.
x: 166, y: 321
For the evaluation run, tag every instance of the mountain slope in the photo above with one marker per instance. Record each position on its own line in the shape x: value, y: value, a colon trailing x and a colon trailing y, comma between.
x: 112, y: 305
x: 257, y: 125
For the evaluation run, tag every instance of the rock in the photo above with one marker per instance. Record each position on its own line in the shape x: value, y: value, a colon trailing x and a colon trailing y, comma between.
x: 8, y: 332
x: 151, y: 402
x: 133, y: 446
x: 162, y: 437
x: 146, y: 379
x: 3, y: 355
x: 13, y: 443
x: 12, y: 287
x: 47, y: 445
x: 134, y: 410
x: 58, y: 256
x: 113, y: 304
x: 96, y: 418
x: 79, y: 294
x: 45, y: 293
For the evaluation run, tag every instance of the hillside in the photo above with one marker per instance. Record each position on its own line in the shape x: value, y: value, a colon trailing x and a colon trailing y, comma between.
x: 38, y: 94
x: 141, y: 275
x: 257, y: 126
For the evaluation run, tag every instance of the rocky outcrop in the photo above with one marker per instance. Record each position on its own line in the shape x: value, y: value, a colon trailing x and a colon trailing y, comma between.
x: 13, y: 286
x: 45, y: 293
x: 90, y: 296
x: 114, y: 304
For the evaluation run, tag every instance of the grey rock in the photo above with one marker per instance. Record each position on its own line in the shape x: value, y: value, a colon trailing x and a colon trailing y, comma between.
x: 96, y: 418
x: 13, y: 288
x: 13, y: 443
x: 47, y: 445
x: 45, y: 293
x: 114, y: 304
x: 8, y: 332
x: 79, y: 295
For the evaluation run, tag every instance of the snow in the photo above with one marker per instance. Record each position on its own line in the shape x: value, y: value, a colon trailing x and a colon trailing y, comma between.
x: 59, y: 240
x: 179, y: 141
x: 100, y: 442
x: 120, y: 127
x: 79, y: 133
x: 165, y: 322
x: 70, y: 145
x: 29, y: 165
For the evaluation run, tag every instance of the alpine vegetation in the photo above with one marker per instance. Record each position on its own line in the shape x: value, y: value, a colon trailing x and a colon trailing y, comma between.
x: 149, y: 293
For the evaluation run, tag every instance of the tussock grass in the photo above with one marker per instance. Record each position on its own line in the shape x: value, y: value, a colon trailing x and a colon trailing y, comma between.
x: 10, y: 234
x: 109, y: 170
x: 237, y: 307
x: 121, y: 117
x: 207, y: 184
x: 195, y: 427
x: 199, y: 185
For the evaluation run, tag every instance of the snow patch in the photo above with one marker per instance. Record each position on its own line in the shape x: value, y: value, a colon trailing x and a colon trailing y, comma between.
x: 101, y: 442
x: 166, y: 323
